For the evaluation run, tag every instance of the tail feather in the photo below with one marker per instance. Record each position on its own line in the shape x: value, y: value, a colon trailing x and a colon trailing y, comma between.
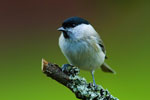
x: 106, y: 68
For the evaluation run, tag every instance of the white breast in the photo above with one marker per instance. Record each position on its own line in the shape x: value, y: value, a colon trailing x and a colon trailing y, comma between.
x: 85, y: 54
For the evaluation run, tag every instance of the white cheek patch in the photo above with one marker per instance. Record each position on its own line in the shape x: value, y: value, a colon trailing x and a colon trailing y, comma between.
x: 82, y: 31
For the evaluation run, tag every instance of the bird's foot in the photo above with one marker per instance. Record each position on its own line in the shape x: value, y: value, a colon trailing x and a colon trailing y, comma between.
x: 70, y: 69
x: 94, y: 84
x: 65, y: 66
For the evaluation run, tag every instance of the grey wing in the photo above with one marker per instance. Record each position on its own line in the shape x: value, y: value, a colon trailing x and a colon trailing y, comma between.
x: 104, y: 66
x: 101, y: 44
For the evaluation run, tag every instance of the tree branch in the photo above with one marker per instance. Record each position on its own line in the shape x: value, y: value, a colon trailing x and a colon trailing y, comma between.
x: 78, y: 85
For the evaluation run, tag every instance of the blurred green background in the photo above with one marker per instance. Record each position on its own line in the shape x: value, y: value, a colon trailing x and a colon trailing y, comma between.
x: 28, y: 33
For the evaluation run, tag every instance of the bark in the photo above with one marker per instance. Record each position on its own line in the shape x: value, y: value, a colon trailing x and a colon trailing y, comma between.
x: 78, y: 85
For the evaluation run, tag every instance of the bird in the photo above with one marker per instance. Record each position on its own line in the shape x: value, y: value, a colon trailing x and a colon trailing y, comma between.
x: 82, y: 46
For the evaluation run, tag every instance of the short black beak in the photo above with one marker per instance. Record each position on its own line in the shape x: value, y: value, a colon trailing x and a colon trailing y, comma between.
x: 64, y: 32
x: 61, y: 29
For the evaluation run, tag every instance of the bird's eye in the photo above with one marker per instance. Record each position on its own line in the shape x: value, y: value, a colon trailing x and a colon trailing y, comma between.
x: 69, y: 25
x: 73, y: 25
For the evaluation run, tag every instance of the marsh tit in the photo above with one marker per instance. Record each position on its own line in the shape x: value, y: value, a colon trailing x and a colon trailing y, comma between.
x: 82, y: 46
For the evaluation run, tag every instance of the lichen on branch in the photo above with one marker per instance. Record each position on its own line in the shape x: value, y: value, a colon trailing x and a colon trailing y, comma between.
x: 78, y: 85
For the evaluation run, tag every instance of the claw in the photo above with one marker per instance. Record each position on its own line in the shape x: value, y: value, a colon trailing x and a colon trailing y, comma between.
x: 64, y: 67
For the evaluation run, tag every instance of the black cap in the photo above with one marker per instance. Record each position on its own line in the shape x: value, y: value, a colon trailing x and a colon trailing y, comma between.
x: 74, y: 21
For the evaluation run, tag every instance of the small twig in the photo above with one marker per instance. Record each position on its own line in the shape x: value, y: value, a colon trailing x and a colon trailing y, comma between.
x: 78, y: 85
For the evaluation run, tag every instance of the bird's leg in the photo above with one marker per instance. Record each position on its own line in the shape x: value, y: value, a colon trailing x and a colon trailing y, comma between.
x: 92, y: 72
x: 64, y: 66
